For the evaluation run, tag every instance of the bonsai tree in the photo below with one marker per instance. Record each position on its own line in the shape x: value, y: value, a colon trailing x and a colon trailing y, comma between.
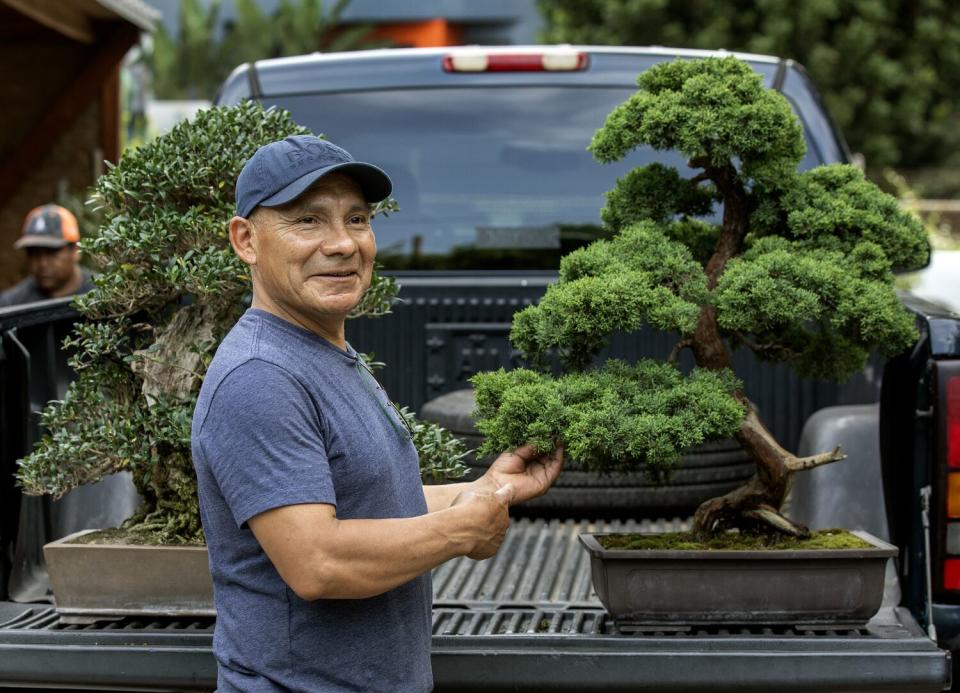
x: 799, y: 270
x: 170, y: 290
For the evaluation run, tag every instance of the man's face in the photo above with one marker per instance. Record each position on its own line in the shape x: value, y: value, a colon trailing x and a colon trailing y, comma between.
x: 314, y: 256
x: 52, y: 268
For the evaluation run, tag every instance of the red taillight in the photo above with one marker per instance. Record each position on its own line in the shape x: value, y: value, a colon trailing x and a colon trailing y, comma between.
x: 953, y: 422
x: 946, y: 551
x: 951, y: 574
x: 553, y: 61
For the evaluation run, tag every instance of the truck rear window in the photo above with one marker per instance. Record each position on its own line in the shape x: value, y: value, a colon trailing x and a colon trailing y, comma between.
x: 486, y: 178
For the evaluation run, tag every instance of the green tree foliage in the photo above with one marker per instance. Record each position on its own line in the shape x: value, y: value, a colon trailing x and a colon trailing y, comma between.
x: 194, y: 63
x: 889, y: 70
x: 188, y: 66
x: 799, y: 270
x: 170, y: 289
x: 441, y: 453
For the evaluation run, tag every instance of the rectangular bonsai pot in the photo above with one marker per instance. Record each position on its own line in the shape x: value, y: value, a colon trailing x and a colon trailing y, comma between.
x: 838, y: 586
x: 94, y: 582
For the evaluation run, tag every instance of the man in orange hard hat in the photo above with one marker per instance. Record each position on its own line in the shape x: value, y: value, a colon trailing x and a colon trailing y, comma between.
x: 50, y: 236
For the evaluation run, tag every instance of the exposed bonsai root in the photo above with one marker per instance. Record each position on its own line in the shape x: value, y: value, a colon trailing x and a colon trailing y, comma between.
x: 740, y: 509
x: 727, y: 511
x: 773, y: 518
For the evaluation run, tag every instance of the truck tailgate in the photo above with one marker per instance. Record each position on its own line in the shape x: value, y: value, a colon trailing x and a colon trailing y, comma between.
x: 524, y: 620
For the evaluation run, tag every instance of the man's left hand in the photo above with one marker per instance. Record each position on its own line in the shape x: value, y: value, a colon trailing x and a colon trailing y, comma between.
x: 531, y: 474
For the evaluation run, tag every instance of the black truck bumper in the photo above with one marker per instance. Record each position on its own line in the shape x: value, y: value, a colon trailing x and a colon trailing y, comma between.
x: 524, y: 620
x: 890, y: 654
x: 509, y: 649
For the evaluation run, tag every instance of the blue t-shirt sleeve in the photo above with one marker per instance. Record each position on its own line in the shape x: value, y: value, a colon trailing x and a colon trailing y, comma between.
x: 262, y: 439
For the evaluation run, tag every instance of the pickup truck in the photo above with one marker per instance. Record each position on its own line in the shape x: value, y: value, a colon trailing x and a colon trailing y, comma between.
x: 487, y: 151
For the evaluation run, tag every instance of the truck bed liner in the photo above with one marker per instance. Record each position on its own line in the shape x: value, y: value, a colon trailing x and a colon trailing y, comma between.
x: 525, y: 620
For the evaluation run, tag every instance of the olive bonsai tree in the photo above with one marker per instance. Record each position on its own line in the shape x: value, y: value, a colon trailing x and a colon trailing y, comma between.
x: 170, y: 289
x: 799, y: 270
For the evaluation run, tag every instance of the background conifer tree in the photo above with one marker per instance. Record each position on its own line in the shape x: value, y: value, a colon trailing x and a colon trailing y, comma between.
x: 889, y: 71
x: 193, y: 63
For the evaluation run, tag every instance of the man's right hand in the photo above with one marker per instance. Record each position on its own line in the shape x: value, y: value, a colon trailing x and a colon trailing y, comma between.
x: 486, y: 519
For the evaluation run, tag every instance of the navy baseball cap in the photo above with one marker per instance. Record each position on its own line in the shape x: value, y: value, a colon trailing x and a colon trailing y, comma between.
x: 281, y: 171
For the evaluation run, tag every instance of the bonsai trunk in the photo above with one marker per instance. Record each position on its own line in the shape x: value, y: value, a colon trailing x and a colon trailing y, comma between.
x: 757, y: 502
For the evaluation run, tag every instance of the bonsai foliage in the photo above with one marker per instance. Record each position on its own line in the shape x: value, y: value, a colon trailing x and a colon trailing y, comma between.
x: 799, y: 270
x: 170, y: 290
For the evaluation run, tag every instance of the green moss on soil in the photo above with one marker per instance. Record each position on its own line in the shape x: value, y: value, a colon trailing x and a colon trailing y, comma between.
x: 126, y: 537
x: 685, y: 541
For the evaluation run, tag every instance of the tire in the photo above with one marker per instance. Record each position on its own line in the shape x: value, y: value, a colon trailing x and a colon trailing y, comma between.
x: 706, y: 471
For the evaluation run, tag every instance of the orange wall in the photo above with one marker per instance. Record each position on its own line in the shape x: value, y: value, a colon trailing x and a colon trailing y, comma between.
x: 426, y: 34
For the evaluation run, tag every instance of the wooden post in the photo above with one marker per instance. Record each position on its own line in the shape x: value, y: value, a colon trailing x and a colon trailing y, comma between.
x: 110, y: 116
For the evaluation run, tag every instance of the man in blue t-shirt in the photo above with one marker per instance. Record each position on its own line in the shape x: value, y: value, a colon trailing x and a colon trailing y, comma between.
x: 321, y: 536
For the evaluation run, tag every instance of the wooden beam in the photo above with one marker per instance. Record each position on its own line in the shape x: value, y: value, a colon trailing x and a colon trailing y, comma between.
x: 17, y: 28
x: 63, y: 17
x: 63, y: 112
x: 110, y: 117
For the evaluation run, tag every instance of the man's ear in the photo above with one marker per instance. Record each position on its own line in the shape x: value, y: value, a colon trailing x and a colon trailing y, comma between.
x: 241, y: 238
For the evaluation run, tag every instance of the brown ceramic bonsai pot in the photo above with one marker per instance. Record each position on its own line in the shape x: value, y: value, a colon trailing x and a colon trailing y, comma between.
x: 775, y: 587
x: 93, y: 582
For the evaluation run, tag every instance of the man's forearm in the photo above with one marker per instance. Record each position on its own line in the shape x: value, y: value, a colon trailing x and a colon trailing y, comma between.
x: 364, y: 558
x: 322, y: 557
x: 442, y: 495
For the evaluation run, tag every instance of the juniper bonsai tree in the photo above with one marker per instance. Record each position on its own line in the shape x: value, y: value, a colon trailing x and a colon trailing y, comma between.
x: 170, y: 289
x: 799, y: 270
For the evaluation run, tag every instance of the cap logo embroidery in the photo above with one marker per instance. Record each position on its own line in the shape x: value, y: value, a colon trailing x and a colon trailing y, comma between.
x: 314, y: 151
